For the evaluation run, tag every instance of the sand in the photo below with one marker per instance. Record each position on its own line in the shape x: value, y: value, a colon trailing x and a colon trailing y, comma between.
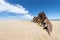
x: 27, y: 30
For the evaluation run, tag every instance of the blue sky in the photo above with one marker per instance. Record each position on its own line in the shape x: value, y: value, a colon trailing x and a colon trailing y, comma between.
x: 27, y: 9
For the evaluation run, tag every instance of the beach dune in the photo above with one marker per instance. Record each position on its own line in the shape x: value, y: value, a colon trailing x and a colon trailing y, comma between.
x: 27, y: 30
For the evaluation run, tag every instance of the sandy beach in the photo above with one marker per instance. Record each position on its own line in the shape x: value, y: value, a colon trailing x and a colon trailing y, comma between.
x: 27, y: 30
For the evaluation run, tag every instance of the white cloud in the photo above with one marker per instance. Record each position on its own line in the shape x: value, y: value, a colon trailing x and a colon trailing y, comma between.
x: 4, y: 6
x: 23, y: 17
x: 28, y: 16
x: 9, y: 8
